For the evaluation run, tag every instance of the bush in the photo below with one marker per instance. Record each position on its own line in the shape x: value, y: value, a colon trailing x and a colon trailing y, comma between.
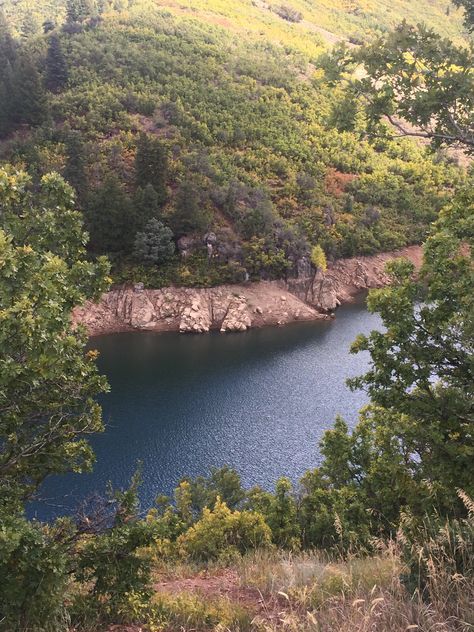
x: 33, y: 575
x: 220, y: 531
x: 318, y: 258
x: 288, y: 13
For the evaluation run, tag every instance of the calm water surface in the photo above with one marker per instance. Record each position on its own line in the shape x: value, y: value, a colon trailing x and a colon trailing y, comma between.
x: 258, y: 401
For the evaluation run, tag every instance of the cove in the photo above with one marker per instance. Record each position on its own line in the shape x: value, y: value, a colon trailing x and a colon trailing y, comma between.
x: 258, y: 401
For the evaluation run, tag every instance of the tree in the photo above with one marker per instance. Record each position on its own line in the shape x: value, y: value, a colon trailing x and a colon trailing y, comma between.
x: 31, y: 25
x: 151, y: 165
x: 28, y: 98
x: 468, y: 6
x: 281, y: 516
x: 75, y: 168
x: 421, y: 84
x: 189, y: 215
x: 318, y: 258
x: 423, y: 363
x: 56, y: 66
x: 109, y: 217
x: 146, y: 204
x: 9, y: 55
x: 155, y: 244
x: 48, y: 381
x: 79, y: 10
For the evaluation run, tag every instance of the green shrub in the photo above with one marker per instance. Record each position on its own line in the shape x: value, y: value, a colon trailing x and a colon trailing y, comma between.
x: 221, y: 529
x: 34, y: 564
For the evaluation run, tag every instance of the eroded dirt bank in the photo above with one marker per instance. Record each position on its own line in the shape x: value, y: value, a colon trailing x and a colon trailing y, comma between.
x: 238, y: 307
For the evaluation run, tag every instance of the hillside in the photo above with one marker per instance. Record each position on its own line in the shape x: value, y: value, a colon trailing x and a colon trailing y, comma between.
x: 220, y: 121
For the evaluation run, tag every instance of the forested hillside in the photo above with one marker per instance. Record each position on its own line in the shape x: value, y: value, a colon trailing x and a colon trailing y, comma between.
x: 211, y: 141
x: 213, y: 130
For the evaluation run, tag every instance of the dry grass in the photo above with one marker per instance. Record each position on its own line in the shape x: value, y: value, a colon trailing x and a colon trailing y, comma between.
x: 316, y: 594
x: 424, y: 582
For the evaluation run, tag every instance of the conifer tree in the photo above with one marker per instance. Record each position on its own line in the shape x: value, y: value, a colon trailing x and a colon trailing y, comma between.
x: 79, y: 10
x: 146, y: 205
x: 56, y: 66
x: 30, y: 26
x: 28, y: 97
x: 75, y: 168
x: 151, y: 165
x: 8, y: 55
x: 108, y: 214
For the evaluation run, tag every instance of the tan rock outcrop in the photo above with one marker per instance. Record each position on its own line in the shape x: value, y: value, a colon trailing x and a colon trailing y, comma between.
x: 231, y: 308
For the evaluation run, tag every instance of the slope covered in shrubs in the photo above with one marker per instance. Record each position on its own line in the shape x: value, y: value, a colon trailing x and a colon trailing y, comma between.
x: 221, y: 122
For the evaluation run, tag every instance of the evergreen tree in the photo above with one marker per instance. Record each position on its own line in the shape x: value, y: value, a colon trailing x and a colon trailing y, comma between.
x: 146, y: 205
x: 28, y: 97
x: 75, y: 169
x: 31, y: 25
x: 189, y: 215
x: 109, y: 218
x: 151, y: 165
x: 79, y: 10
x: 56, y: 66
x: 8, y: 55
x: 154, y: 244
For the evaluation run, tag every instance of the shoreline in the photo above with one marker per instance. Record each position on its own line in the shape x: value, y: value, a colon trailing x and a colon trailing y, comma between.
x: 232, y: 308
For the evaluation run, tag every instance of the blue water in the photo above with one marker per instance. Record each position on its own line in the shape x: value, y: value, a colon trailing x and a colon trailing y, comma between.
x: 259, y: 401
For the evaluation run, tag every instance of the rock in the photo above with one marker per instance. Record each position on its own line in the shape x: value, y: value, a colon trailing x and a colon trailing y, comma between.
x: 230, y: 308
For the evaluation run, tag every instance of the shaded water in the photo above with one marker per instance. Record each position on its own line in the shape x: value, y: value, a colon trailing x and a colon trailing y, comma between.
x: 258, y: 401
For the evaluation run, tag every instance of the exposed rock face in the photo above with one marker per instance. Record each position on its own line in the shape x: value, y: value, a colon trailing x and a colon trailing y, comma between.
x: 237, y: 307
x: 344, y: 279
x: 226, y: 308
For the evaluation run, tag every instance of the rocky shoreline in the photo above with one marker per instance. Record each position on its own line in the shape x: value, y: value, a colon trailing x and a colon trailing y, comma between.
x: 230, y: 308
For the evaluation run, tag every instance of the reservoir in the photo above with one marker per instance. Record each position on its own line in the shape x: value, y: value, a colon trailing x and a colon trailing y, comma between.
x: 258, y: 401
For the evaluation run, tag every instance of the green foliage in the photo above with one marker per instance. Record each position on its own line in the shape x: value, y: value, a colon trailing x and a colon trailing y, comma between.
x: 56, y: 67
x: 75, y: 168
x: 155, y: 243
x: 422, y: 364
x: 223, y: 483
x: 189, y: 215
x: 220, y: 530
x: 33, y: 573
x: 235, y: 129
x: 109, y: 217
x: 48, y: 382
x: 318, y: 258
x: 79, y: 10
x: 416, y: 75
x: 151, y: 166
x: 263, y: 259
x: 114, y: 564
x: 281, y: 516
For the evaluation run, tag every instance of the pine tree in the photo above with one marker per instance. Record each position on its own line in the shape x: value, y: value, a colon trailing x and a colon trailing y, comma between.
x: 108, y: 214
x: 8, y: 55
x: 189, y: 215
x: 75, y: 168
x: 28, y: 96
x: 56, y: 66
x: 31, y: 25
x: 146, y: 205
x: 151, y: 165
x: 79, y: 10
